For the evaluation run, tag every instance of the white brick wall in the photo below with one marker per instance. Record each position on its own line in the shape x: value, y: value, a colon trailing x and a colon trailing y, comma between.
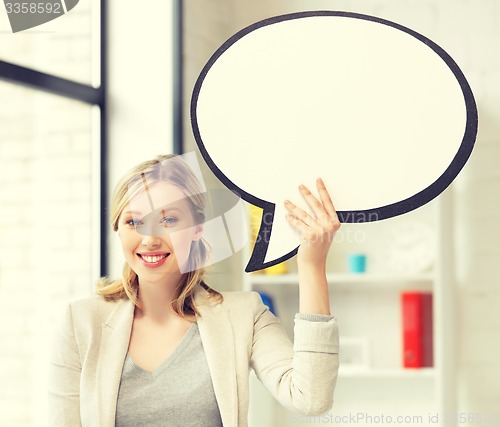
x: 61, y: 47
x: 45, y: 210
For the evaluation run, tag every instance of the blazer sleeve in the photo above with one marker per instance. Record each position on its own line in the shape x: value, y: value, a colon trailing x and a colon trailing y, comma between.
x: 302, y: 375
x: 64, y: 376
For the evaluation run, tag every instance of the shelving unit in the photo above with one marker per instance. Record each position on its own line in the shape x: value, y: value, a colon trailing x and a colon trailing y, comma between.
x: 387, y: 373
x: 351, y: 280
x: 367, y: 306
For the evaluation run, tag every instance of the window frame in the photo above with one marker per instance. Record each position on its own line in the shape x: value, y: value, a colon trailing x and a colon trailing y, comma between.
x: 34, y: 79
x: 97, y: 96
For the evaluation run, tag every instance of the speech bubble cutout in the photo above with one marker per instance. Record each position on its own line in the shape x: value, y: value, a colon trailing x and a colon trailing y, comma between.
x: 383, y: 114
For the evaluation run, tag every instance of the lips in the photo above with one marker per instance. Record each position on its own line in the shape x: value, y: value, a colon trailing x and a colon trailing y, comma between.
x: 153, y: 259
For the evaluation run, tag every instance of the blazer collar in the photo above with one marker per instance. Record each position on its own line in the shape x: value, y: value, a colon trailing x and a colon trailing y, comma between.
x: 115, y: 339
x: 217, y: 337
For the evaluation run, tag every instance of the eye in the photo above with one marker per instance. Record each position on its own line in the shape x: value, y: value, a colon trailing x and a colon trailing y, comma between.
x: 133, y: 222
x: 169, y: 220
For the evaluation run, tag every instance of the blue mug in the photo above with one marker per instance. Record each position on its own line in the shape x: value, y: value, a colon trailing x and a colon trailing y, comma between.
x: 357, y: 263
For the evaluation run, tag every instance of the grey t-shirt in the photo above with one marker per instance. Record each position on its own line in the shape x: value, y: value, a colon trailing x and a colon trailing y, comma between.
x: 178, y: 393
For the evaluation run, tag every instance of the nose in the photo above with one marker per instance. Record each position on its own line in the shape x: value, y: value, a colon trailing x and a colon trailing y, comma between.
x: 151, y: 227
x: 151, y: 241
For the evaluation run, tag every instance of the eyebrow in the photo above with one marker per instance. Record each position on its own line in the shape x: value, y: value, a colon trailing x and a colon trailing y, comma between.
x: 171, y: 209
x: 156, y: 210
x: 132, y: 213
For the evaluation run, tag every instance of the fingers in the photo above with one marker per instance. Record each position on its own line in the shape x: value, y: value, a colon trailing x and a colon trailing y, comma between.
x: 308, y: 226
x: 312, y: 201
x: 325, y: 198
x: 298, y: 214
x: 303, y: 223
x: 298, y: 224
x: 325, y: 215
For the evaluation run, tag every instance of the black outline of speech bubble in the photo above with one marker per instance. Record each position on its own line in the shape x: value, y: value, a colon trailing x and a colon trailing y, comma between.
x: 256, y: 261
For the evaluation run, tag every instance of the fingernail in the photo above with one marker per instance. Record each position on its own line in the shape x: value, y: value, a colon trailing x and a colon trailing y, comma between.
x: 301, y: 186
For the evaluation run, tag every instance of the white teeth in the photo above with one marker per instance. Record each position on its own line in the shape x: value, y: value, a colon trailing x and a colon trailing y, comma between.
x: 155, y: 258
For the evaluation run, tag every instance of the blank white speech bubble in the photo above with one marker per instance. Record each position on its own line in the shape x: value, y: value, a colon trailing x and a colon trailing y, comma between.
x: 381, y: 113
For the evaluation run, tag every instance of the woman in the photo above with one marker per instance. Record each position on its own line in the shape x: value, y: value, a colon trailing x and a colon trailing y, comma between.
x: 159, y: 347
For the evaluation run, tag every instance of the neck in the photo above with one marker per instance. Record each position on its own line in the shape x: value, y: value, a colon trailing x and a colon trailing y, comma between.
x: 156, y: 299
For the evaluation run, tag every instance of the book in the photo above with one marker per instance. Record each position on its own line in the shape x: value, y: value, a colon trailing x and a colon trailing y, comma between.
x: 268, y: 300
x: 417, y: 325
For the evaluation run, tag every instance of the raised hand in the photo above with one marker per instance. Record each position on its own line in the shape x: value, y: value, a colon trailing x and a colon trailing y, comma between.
x: 317, y: 231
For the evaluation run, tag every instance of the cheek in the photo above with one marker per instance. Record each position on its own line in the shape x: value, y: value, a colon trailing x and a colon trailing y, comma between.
x: 181, y: 243
x: 127, y: 239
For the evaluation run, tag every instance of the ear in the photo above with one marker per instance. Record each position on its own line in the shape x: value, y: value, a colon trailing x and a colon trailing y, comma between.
x: 198, y: 232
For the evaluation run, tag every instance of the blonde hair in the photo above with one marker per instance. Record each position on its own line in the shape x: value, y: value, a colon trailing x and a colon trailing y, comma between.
x: 178, y: 173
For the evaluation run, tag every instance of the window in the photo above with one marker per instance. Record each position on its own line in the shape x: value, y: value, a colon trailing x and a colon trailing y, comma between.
x: 52, y: 146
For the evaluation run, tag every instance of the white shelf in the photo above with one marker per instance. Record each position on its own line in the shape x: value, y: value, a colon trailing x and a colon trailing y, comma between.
x: 345, y: 278
x: 386, y: 373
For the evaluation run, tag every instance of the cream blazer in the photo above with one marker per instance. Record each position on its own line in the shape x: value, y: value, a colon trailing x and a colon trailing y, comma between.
x: 237, y: 335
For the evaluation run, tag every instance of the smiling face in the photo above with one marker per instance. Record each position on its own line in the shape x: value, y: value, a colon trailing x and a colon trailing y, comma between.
x: 156, y: 229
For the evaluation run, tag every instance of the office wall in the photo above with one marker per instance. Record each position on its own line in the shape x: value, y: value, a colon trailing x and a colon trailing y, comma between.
x: 46, y: 149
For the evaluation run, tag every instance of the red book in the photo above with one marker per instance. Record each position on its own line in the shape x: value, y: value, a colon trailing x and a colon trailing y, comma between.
x: 416, y: 309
